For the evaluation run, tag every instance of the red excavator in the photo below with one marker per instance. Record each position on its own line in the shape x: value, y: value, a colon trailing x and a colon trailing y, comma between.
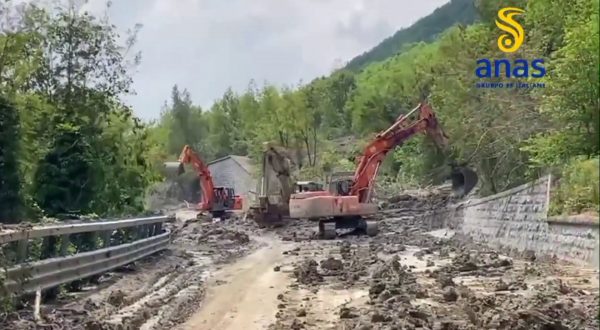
x: 348, y: 201
x: 216, y: 200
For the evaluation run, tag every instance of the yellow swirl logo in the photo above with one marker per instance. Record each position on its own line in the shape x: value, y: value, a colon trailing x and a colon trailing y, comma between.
x: 512, y: 40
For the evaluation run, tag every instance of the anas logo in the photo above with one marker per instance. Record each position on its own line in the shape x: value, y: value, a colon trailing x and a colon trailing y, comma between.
x: 512, y: 40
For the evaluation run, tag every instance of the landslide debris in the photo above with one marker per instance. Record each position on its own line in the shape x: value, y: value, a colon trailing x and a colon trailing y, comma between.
x: 413, y: 280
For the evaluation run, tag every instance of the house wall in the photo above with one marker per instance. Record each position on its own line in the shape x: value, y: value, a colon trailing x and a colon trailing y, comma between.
x: 228, y: 173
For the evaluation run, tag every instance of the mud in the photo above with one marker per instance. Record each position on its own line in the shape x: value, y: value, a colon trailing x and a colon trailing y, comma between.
x: 232, y: 275
x: 158, y: 292
x: 410, y: 278
x: 307, y: 273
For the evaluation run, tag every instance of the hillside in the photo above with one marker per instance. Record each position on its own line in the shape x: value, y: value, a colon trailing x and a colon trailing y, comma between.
x: 426, y: 29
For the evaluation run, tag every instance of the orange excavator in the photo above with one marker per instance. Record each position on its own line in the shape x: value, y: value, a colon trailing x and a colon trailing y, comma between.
x: 218, y: 201
x: 348, y: 200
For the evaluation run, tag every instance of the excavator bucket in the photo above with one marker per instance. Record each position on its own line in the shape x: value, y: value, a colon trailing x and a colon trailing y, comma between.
x: 463, y: 180
x: 172, y: 170
x: 268, y: 215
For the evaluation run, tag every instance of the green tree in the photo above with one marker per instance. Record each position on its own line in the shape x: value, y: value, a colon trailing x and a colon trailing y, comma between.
x: 10, y: 178
x: 64, y: 179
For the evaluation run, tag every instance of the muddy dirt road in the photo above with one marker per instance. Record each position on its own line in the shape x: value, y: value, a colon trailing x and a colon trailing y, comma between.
x: 231, y: 275
x: 243, y: 295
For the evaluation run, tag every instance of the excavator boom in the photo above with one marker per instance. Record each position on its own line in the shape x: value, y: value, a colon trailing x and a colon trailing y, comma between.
x: 396, y: 135
x: 350, y: 201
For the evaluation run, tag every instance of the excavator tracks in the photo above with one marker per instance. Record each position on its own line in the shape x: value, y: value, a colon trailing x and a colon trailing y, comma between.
x: 328, y: 228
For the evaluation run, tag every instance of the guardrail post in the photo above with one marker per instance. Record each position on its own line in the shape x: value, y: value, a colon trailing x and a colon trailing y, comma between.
x: 143, y: 231
x: 49, y: 251
x: 95, y: 279
x: 157, y: 228
x: 22, y: 250
x: 106, y: 238
x: 130, y: 234
x: 94, y: 240
x: 64, y: 245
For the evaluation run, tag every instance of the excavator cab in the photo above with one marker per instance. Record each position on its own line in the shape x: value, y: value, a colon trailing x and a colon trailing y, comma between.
x: 302, y: 186
x: 339, y: 183
x: 224, y: 200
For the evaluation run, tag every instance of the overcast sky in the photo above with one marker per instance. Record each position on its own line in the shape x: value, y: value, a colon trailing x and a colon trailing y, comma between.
x: 207, y: 46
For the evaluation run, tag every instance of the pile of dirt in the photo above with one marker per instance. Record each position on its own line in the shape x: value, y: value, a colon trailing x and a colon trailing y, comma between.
x: 461, y: 285
x: 426, y: 199
x: 549, y: 308
x: 307, y: 272
x: 476, y: 263
x: 392, y: 288
x: 222, y: 235
x: 332, y: 265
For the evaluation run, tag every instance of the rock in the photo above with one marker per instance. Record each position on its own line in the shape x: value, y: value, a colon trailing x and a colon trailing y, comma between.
x: 445, y: 280
x: 301, y: 312
x: 501, y: 286
x: 116, y: 298
x: 307, y: 272
x: 419, y: 314
x: 376, y: 289
x: 332, y: 264
x: 450, y: 294
x: 468, y: 266
x: 296, y: 325
x: 276, y: 268
x: 378, y: 318
x: 347, y: 313
x: 529, y: 255
x: 421, y: 293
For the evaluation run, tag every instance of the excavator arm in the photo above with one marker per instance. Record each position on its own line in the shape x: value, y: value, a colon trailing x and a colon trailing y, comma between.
x: 403, y: 129
x: 278, y: 160
x: 189, y: 156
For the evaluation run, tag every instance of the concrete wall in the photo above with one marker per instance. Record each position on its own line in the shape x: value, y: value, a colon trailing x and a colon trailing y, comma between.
x: 516, y: 221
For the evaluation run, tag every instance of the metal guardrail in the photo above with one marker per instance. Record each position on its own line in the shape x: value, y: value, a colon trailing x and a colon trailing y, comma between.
x: 52, y: 272
x: 12, y: 235
x: 48, y: 273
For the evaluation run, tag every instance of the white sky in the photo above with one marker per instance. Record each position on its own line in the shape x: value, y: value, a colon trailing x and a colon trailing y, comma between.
x: 207, y: 46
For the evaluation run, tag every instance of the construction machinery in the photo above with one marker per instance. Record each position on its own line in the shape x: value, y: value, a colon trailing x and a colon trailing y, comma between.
x: 348, y: 203
x: 301, y: 186
x: 218, y: 201
x: 275, y: 188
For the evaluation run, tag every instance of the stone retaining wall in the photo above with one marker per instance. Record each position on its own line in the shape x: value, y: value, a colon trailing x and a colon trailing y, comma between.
x: 516, y: 220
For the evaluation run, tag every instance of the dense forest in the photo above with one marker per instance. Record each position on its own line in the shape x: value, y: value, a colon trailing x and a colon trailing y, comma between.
x: 68, y: 143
